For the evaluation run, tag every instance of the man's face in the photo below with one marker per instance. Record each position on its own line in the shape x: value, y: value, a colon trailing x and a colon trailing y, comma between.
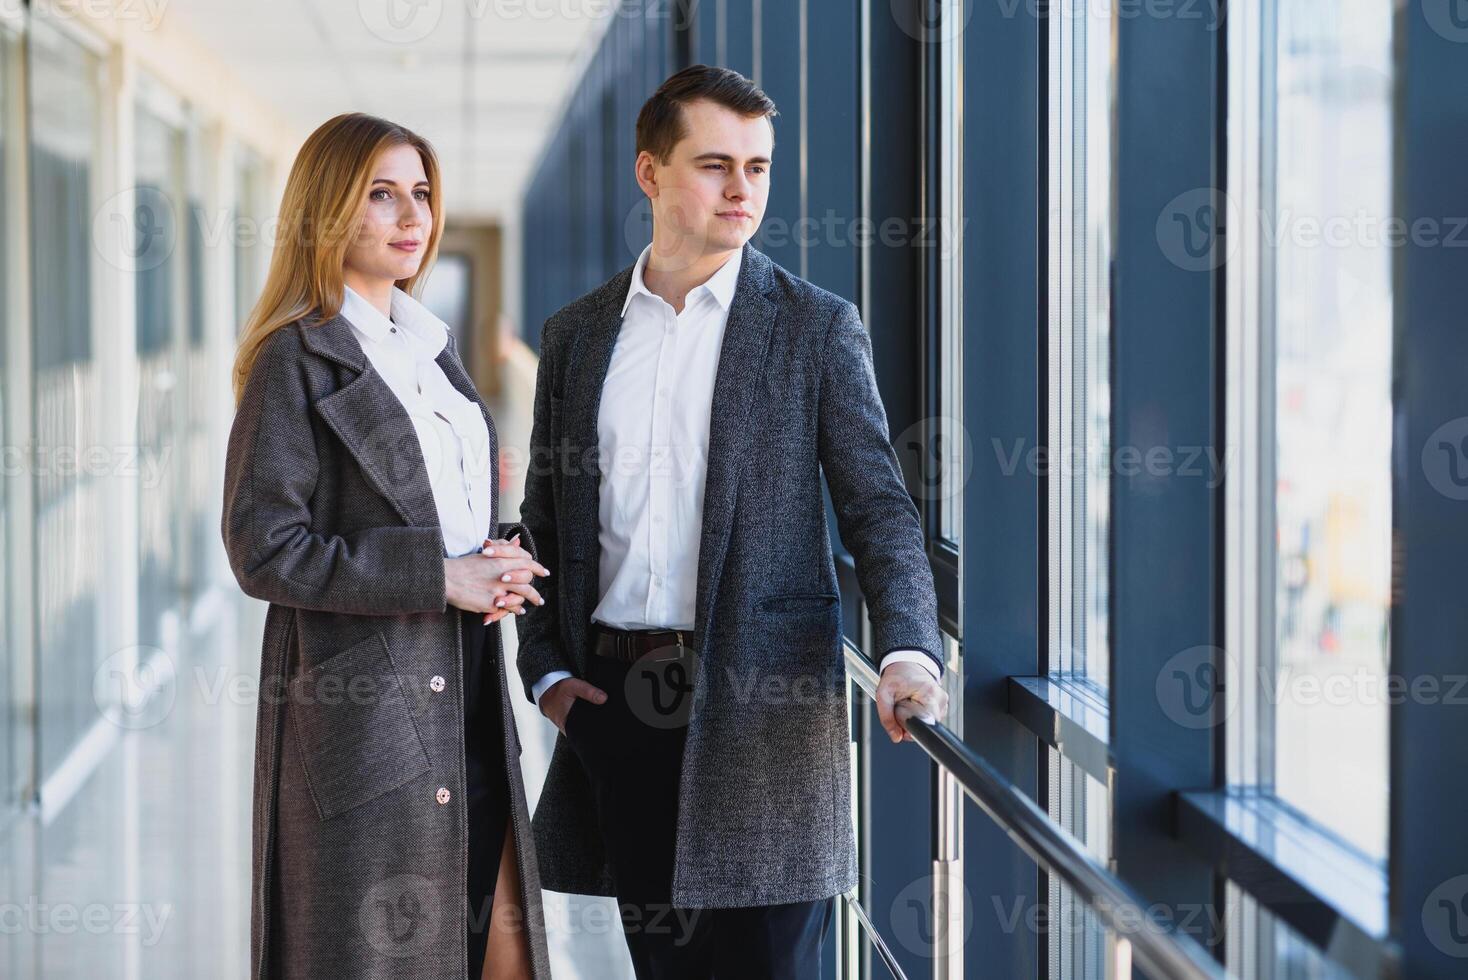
x: 710, y: 195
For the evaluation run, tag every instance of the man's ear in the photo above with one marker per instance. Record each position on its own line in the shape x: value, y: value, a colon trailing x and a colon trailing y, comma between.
x: 645, y: 169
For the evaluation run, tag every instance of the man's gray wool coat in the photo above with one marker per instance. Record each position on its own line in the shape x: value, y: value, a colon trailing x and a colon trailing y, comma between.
x: 764, y: 798
x: 359, y: 869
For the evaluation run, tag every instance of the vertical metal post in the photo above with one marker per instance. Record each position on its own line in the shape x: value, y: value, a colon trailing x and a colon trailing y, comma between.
x: 948, y: 904
x: 948, y: 806
x: 1118, y: 957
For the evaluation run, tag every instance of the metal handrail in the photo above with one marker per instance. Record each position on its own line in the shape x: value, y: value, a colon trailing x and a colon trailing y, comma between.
x: 1157, y: 951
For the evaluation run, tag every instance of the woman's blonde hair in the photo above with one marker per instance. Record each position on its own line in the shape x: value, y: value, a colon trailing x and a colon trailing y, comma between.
x: 325, y: 199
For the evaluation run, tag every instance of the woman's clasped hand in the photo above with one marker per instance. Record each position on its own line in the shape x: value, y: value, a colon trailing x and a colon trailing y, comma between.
x: 496, y: 581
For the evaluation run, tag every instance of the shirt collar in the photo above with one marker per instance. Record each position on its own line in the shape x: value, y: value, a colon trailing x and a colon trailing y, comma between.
x: 418, y: 322
x: 720, y: 285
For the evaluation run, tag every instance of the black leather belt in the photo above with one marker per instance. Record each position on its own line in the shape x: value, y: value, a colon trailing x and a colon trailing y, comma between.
x: 629, y: 646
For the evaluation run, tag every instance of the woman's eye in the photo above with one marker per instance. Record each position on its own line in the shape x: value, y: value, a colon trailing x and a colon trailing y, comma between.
x: 421, y: 195
x: 381, y: 191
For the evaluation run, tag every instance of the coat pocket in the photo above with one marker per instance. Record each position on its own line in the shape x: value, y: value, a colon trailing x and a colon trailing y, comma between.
x: 798, y: 637
x: 816, y: 605
x: 354, y: 728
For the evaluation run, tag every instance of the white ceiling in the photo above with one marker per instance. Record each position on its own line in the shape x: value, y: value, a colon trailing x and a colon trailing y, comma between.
x: 482, y: 79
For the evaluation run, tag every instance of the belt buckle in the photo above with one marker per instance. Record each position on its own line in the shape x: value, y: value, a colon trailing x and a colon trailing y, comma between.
x: 677, y: 651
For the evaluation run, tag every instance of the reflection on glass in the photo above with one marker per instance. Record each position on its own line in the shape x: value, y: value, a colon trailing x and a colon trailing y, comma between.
x: 1262, y: 947
x: 10, y: 712
x: 950, y: 245
x: 1078, y: 338
x: 64, y: 85
x: 249, y: 234
x: 202, y: 468
x: 161, y: 306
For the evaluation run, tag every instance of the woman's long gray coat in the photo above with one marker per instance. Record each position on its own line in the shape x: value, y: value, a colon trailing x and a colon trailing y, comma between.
x: 359, y: 838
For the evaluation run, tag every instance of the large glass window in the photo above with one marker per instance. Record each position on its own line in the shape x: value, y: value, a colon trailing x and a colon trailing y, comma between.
x: 1310, y: 313
x: 161, y: 254
x: 1080, y: 42
x: 251, y: 233
x: 64, y: 113
x: 13, y: 717
x: 1078, y: 438
x: 1075, y: 937
x: 949, y: 242
x: 202, y: 469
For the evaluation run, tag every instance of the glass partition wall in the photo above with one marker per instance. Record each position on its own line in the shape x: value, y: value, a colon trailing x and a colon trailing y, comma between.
x: 64, y: 87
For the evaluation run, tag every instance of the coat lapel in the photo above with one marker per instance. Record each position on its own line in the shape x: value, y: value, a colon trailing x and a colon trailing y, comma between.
x: 741, y: 366
x: 373, y: 425
x: 585, y: 375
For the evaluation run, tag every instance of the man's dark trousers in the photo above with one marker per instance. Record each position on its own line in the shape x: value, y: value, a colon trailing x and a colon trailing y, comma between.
x: 632, y: 754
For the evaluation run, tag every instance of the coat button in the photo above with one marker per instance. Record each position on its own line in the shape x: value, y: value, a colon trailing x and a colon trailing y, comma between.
x: 442, y: 795
x: 435, y: 684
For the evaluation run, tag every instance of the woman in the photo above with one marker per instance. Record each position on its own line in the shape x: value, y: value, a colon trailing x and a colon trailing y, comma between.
x: 391, y: 836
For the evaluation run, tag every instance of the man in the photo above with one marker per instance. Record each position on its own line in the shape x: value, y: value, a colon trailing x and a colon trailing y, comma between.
x: 684, y: 412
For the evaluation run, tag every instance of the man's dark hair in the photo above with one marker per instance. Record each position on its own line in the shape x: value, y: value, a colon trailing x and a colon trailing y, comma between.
x: 660, y: 123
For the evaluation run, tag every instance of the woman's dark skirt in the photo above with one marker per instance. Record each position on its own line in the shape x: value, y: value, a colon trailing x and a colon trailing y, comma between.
x: 484, y: 767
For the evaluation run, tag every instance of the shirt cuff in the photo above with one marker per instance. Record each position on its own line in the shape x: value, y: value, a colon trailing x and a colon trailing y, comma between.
x: 910, y: 657
x: 542, y: 685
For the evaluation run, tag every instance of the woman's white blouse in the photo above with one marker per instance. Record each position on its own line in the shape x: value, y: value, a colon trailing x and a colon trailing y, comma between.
x: 451, y: 429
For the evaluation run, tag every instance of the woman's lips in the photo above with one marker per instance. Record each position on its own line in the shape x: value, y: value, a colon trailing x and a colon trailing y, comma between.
x: 406, y: 246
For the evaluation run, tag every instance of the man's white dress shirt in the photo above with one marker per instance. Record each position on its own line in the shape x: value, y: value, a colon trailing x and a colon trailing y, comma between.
x: 451, y: 429
x: 653, y: 439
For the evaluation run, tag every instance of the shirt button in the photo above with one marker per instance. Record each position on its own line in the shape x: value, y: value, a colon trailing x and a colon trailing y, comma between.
x: 663, y: 392
x: 442, y: 795
x: 436, y: 684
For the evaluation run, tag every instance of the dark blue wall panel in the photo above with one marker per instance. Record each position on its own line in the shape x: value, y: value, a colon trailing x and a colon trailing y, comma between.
x: 583, y: 217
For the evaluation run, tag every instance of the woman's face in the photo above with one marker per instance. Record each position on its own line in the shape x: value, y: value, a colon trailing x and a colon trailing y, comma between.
x: 389, y: 245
